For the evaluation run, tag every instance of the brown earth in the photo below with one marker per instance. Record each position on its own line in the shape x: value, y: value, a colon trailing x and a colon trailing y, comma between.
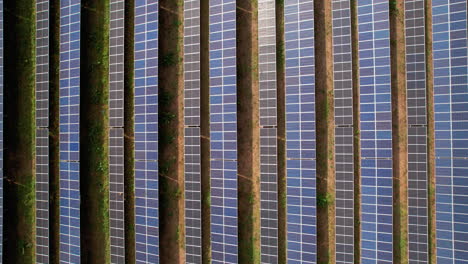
x: 281, y: 132
x: 432, y: 250
x: 129, y: 133
x: 205, y: 130
x: 94, y: 132
x: 19, y: 132
x: 248, y: 132
x: 54, y: 131
x: 325, y: 125
x: 171, y: 132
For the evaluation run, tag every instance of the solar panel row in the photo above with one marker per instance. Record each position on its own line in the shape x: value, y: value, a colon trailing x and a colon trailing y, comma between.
x: 417, y: 132
x: 116, y: 153
x: 42, y: 131
x: 193, y: 215
x: 300, y: 131
x: 146, y: 131
x: 69, y: 131
x: 223, y: 130
x: 268, y: 131
x: 344, y: 132
x: 450, y: 48
x: 376, y: 131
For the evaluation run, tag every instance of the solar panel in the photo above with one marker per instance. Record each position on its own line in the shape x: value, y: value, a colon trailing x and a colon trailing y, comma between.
x: 417, y: 131
x: 451, y: 133
x: 192, y: 62
x: 42, y: 195
x: 1, y: 128
x: 223, y: 131
x: 376, y: 131
x: 193, y: 239
x: 146, y: 131
x: 116, y: 56
x: 116, y: 102
x: 42, y: 131
x: 69, y: 131
x: 268, y: 195
x: 42, y: 63
x: 268, y: 150
x: 300, y: 131
x: 116, y: 202
x: 192, y: 196
x: 344, y: 166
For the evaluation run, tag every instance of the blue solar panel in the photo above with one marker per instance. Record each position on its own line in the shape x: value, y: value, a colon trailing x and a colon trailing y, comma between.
x: 376, y: 131
x: 69, y: 131
x: 116, y: 122
x: 223, y: 130
x: 300, y: 131
x: 1, y: 128
x: 417, y: 132
x: 268, y: 130
x: 42, y: 132
x: 69, y: 212
x: 146, y: 131
x: 451, y: 133
x: 343, y: 92
x: 193, y: 215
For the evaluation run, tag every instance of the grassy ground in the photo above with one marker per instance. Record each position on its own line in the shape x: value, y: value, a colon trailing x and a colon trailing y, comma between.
x: 432, y: 250
x: 325, y: 126
x: 248, y: 132
x: 171, y: 132
x: 399, y: 132
x: 281, y: 132
x: 357, y: 135
x: 94, y: 132
x: 20, y: 131
x: 129, y: 133
x: 54, y: 130
x: 205, y: 130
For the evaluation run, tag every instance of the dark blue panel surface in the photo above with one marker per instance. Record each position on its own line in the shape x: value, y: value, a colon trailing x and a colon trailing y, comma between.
x: 223, y: 130
x: 193, y: 215
x: 268, y: 130
x: 451, y: 133
x: 146, y: 131
x: 343, y: 92
x: 42, y: 132
x: 300, y: 131
x: 116, y: 133
x: 417, y: 131
x: 376, y: 131
x: 69, y: 131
